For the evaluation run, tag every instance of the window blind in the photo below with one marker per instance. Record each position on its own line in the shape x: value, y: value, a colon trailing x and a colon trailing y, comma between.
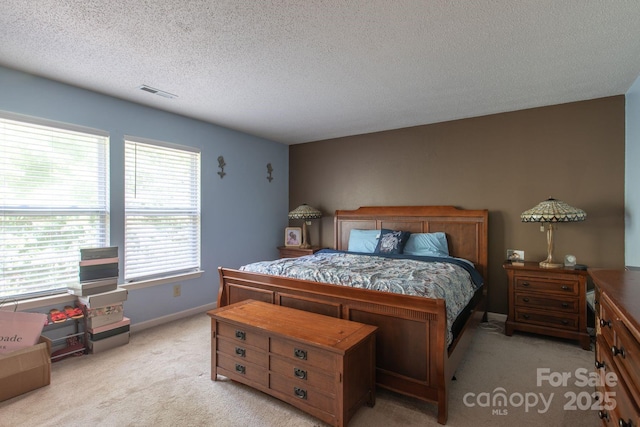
x: 54, y: 200
x: 162, y: 209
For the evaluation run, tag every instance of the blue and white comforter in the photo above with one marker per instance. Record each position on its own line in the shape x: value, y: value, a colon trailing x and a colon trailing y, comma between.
x: 445, y: 278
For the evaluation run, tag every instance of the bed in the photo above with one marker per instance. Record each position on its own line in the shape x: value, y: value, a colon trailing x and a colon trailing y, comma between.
x: 413, y: 356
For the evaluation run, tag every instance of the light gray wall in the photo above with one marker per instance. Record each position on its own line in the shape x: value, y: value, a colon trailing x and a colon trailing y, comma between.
x: 243, y: 214
x: 632, y: 176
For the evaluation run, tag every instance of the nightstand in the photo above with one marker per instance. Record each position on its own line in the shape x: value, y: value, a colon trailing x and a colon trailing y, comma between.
x: 294, y: 252
x: 548, y: 301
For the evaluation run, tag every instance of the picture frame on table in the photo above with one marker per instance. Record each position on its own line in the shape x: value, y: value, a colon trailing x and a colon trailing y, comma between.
x: 293, y: 237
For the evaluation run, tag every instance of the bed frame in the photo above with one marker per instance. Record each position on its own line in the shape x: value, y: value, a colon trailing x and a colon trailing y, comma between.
x: 411, y: 353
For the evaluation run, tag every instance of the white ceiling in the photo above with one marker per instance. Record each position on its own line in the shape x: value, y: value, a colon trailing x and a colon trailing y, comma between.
x: 295, y: 71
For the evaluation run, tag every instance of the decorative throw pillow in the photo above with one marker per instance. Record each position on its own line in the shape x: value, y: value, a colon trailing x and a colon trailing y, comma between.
x: 392, y: 242
x: 363, y: 240
x: 427, y: 244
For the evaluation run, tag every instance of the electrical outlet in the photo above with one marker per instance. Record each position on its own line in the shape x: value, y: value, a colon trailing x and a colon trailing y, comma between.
x: 177, y: 290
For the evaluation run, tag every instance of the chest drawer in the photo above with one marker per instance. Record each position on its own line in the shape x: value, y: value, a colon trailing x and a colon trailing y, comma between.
x: 626, y: 352
x: 242, y: 352
x: 302, y: 374
x: 547, y: 318
x: 241, y: 370
x: 539, y: 284
x: 305, y: 356
x: 302, y: 393
x: 246, y: 336
x: 568, y: 304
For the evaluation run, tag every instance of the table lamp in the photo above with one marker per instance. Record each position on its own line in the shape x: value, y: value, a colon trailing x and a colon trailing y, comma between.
x: 305, y: 213
x: 548, y: 213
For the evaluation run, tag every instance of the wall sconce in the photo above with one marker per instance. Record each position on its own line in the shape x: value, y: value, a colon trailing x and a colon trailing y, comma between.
x: 221, y: 165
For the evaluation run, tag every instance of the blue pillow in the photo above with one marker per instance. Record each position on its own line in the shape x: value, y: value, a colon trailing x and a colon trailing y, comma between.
x: 392, y: 242
x: 363, y: 240
x: 427, y: 244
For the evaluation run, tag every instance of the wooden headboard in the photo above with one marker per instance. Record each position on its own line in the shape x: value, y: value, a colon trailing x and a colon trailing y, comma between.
x: 466, y: 230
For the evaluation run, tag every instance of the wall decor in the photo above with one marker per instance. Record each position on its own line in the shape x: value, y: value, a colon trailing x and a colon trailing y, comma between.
x: 221, y: 165
x: 269, y: 169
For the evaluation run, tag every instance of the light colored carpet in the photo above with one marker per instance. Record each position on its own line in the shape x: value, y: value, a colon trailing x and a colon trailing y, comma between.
x: 162, y: 378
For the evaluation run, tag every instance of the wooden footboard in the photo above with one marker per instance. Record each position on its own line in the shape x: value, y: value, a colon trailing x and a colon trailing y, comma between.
x: 412, y: 357
x: 411, y: 353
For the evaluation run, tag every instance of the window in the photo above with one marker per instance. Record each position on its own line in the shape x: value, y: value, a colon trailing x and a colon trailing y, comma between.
x: 162, y: 209
x: 54, y: 200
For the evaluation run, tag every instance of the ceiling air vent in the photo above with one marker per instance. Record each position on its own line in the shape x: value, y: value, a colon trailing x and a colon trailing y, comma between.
x: 157, y: 92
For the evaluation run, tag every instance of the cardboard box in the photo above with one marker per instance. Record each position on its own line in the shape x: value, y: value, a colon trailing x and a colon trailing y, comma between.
x: 25, y: 370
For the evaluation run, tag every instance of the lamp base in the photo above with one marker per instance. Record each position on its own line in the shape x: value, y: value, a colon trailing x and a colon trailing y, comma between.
x: 546, y: 264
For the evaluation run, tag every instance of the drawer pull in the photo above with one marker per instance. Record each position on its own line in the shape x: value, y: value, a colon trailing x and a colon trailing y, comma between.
x: 526, y: 316
x: 300, y: 354
x: 241, y: 335
x: 300, y: 393
x: 603, y: 415
x: 525, y: 299
x: 565, y: 322
x: 599, y: 365
x: 525, y: 284
x: 565, y: 288
x: 604, y: 323
x: 623, y: 423
x: 617, y: 351
x: 300, y: 373
x: 240, y: 369
x: 565, y: 305
x: 241, y: 352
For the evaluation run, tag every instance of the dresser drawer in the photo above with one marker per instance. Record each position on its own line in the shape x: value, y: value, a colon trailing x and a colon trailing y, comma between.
x: 302, y: 393
x: 568, y: 304
x: 242, y: 352
x: 305, y: 356
x: 247, y: 336
x: 551, y: 319
x: 537, y: 284
x: 302, y: 374
x: 626, y: 352
x: 605, y: 322
x: 242, y: 371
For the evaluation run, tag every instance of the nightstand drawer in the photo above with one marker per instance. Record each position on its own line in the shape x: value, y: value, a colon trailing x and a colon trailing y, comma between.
x: 547, y: 318
x: 569, y: 304
x: 536, y: 284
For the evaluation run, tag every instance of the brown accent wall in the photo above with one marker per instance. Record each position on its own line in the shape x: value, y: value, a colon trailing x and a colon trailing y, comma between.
x: 506, y: 163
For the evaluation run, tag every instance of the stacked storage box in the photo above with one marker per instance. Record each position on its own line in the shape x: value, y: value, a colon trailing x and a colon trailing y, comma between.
x: 101, y: 299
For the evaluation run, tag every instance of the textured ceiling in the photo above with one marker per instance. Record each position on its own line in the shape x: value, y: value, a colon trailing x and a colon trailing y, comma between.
x: 298, y: 71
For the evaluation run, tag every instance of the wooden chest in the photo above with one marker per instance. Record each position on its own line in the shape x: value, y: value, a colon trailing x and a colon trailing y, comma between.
x: 319, y: 364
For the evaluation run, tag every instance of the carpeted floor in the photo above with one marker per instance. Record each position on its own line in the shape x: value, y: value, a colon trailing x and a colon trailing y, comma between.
x: 162, y: 378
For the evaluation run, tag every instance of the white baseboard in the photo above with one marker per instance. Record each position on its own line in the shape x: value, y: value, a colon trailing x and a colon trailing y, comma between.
x: 498, y: 317
x: 137, y: 327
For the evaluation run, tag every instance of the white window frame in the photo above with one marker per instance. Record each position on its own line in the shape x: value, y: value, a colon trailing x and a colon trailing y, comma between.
x: 43, y: 226
x: 162, y: 227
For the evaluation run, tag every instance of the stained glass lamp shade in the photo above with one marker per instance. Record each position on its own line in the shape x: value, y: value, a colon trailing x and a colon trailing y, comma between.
x: 305, y: 213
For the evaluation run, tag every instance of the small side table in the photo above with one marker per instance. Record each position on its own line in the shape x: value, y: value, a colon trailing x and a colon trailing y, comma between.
x: 294, y: 252
x: 548, y: 301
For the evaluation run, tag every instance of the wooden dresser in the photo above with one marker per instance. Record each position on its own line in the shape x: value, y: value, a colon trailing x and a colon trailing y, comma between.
x: 617, y: 303
x: 319, y: 364
x: 549, y: 301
